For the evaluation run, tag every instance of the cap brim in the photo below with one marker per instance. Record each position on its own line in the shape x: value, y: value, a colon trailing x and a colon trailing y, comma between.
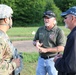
x: 64, y: 14
x: 47, y: 16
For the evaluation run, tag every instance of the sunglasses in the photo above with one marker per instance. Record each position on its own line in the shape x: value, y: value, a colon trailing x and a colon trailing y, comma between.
x: 65, y: 17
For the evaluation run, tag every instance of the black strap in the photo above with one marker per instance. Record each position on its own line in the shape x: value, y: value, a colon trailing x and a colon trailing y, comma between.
x: 13, y: 73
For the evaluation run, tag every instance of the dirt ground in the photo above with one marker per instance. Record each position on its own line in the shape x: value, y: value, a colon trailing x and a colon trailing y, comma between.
x: 25, y: 46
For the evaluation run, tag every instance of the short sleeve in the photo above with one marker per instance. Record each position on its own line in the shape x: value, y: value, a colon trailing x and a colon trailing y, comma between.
x: 61, y: 39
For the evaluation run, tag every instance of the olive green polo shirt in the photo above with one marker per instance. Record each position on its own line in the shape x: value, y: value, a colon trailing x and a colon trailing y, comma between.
x: 50, y: 38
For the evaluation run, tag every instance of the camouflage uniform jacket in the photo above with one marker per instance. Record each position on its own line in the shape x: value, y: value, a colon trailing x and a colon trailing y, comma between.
x: 7, y: 52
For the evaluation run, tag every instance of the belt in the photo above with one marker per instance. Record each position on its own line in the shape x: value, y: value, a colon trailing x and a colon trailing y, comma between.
x: 47, y: 57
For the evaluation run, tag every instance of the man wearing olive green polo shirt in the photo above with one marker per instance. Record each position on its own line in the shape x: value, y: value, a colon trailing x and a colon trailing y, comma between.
x: 50, y: 40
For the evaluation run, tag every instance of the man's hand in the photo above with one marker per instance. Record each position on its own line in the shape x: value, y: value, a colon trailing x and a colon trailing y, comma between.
x: 17, y: 61
x: 41, y: 49
x: 38, y: 45
x: 57, y: 57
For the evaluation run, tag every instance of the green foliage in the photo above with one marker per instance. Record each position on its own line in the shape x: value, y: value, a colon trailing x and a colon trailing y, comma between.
x: 30, y: 12
x: 26, y: 11
x: 65, y: 4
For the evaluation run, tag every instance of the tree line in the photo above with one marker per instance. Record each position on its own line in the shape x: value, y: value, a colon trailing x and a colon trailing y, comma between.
x: 30, y: 12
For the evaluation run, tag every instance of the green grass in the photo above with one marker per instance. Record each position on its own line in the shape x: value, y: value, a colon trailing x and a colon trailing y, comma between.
x: 25, y: 33
x: 30, y: 62
x: 21, y: 33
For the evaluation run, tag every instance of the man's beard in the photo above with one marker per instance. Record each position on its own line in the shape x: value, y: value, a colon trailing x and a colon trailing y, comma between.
x: 66, y: 26
x: 10, y: 24
x: 47, y: 24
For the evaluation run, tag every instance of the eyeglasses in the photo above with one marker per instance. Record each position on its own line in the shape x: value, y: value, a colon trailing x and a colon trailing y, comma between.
x: 65, y: 17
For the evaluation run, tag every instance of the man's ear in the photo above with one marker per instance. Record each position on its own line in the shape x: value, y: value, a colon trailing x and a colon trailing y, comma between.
x: 5, y: 20
x: 73, y: 18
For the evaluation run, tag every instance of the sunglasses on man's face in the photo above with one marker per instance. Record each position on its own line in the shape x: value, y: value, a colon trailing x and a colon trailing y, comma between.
x: 65, y: 17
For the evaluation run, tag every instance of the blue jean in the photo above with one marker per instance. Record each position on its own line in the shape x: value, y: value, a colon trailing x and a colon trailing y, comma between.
x: 45, y: 66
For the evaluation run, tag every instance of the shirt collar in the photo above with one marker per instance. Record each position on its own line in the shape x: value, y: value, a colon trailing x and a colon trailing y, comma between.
x: 53, y: 29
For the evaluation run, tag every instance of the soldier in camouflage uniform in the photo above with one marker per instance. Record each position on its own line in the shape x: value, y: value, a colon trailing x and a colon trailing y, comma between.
x: 10, y: 60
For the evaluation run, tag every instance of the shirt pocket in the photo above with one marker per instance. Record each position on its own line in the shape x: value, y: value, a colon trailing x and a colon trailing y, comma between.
x: 41, y: 37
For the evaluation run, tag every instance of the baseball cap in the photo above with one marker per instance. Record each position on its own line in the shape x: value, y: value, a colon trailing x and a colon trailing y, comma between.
x: 5, y: 11
x: 71, y: 10
x: 48, y: 14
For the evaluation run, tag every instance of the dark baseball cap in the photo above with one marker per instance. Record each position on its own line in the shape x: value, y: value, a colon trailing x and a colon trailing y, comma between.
x: 71, y: 10
x: 48, y: 14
